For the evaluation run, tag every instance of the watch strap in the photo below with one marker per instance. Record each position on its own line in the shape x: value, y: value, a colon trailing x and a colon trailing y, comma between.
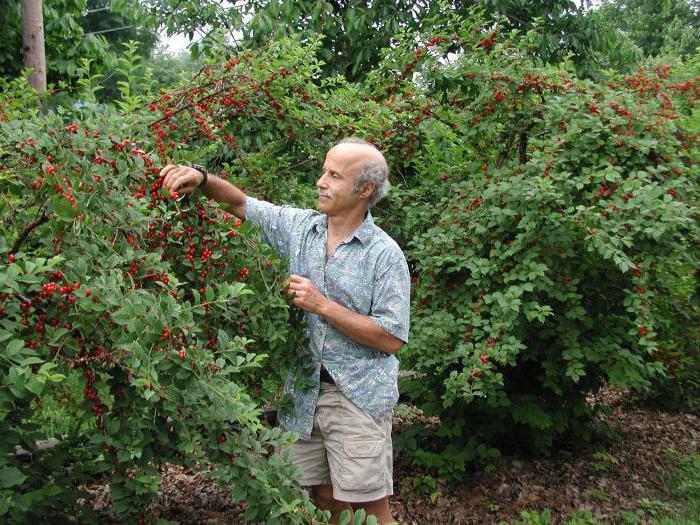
x: 203, y: 171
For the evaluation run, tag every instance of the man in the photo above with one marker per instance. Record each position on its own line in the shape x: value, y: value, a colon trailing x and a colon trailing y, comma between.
x: 352, y: 281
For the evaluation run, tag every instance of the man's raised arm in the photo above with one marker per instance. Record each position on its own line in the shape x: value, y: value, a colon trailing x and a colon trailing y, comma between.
x: 184, y: 179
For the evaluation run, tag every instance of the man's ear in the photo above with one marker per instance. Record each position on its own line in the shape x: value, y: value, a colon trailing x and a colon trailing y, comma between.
x: 367, y: 189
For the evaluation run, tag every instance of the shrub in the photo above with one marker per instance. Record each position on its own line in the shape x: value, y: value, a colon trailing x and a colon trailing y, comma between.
x: 540, y: 219
x: 678, y: 305
x: 166, y: 312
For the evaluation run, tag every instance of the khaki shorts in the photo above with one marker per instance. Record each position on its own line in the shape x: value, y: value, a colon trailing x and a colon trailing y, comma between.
x: 348, y: 449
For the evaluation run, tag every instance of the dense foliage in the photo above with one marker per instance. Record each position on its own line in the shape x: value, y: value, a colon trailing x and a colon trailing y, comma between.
x: 74, y: 31
x: 128, y: 310
x: 354, y: 33
x: 555, y: 214
x: 671, y: 27
x: 542, y: 216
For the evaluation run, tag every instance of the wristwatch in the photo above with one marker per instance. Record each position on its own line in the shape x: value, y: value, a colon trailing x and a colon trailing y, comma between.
x: 203, y: 171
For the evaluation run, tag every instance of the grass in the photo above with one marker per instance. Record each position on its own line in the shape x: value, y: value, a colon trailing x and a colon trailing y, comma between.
x: 684, y: 486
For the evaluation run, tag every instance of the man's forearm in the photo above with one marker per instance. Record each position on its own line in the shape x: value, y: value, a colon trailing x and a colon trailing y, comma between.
x: 360, y: 328
x: 226, y: 193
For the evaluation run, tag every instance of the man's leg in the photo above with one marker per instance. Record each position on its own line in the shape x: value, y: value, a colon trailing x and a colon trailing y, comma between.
x: 324, y: 500
x: 310, y: 456
x: 359, y: 456
x: 380, y: 509
x: 323, y: 497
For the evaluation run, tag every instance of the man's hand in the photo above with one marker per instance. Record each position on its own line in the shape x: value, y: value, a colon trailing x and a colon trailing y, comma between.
x: 181, y: 179
x: 358, y: 327
x: 305, y: 294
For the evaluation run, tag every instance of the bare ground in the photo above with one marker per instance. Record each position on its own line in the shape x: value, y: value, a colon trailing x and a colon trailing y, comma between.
x: 629, y: 475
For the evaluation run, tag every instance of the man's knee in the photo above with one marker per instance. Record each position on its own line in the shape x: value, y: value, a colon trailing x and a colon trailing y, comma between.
x: 378, y: 508
x: 323, y: 497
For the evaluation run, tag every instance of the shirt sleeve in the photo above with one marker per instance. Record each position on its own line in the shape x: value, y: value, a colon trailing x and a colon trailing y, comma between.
x: 279, y: 224
x: 391, y: 296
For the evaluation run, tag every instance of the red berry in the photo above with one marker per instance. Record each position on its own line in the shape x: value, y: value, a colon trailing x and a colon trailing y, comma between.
x: 88, y: 293
x: 11, y: 258
x: 182, y: 355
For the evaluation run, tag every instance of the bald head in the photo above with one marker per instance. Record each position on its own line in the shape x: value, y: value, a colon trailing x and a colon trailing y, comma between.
x: 359, y: 152
x: 369, y: 165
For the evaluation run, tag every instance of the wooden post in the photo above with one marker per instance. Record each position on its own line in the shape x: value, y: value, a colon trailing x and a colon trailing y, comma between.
x: 33, y: 42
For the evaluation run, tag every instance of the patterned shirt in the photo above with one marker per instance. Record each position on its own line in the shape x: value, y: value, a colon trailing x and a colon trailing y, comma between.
x: 368, y: 274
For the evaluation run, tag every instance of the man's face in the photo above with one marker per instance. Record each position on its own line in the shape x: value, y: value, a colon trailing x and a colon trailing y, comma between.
x: 335, y: 195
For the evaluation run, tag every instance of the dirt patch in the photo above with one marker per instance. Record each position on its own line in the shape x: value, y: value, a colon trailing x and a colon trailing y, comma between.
x: 629, y: 474
x: 605, y: 484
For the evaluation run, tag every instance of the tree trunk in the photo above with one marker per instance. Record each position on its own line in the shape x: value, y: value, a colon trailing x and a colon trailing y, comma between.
x: 33, y: 42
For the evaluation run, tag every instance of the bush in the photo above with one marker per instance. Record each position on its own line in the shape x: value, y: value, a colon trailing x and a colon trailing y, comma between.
x: 164, y: 313
x: 678, y: 304
x: 540, y: 219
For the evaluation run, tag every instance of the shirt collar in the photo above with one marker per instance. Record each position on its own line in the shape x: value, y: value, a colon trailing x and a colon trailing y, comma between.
x: 363, y: 233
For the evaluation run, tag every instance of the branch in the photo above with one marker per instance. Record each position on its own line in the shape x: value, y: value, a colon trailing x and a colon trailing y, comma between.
x: 504, y: 154
x: 522, y: 147
x: 27, y: 230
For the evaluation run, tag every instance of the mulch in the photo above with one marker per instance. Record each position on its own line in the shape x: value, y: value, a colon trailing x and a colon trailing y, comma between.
x: 628, y: 476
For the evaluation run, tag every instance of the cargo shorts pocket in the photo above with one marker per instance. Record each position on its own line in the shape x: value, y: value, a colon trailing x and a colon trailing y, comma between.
x: 363, y: 465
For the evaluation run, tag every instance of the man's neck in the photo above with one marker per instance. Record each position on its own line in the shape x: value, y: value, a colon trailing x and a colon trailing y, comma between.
x: 339, y: 227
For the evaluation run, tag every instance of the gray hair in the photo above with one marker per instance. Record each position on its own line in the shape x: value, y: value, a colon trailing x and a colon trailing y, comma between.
x: 370, y: 171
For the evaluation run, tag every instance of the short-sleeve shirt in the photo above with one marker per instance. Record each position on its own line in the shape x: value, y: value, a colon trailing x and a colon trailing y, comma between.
x: 366, y: 273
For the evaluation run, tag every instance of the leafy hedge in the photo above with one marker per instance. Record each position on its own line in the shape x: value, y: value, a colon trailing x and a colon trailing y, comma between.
x: 166, y: 312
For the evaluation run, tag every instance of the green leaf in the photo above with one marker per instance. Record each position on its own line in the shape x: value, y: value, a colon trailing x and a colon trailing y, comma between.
x: 11, y: 477
x: 239, y: 493
x: 13, y: 348
x: 345, y: 517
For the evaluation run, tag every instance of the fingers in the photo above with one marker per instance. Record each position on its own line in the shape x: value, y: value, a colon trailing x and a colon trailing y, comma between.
x: 166, y: 169
x: 294, y: 280
x: 303, y: 293
x: 175, y: 178
x: 181, y: 185
x: 181, y: 179
x: 293, y: 292
x: 167, y: 174
x: 297, y: 286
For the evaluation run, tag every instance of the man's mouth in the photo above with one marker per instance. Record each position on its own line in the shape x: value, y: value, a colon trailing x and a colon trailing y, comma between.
x: 324, y: 195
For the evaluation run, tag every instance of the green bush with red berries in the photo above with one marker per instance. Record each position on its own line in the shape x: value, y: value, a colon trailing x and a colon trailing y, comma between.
x: 542, y: 219
x: 539, y: 214
x: 153, y: 321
